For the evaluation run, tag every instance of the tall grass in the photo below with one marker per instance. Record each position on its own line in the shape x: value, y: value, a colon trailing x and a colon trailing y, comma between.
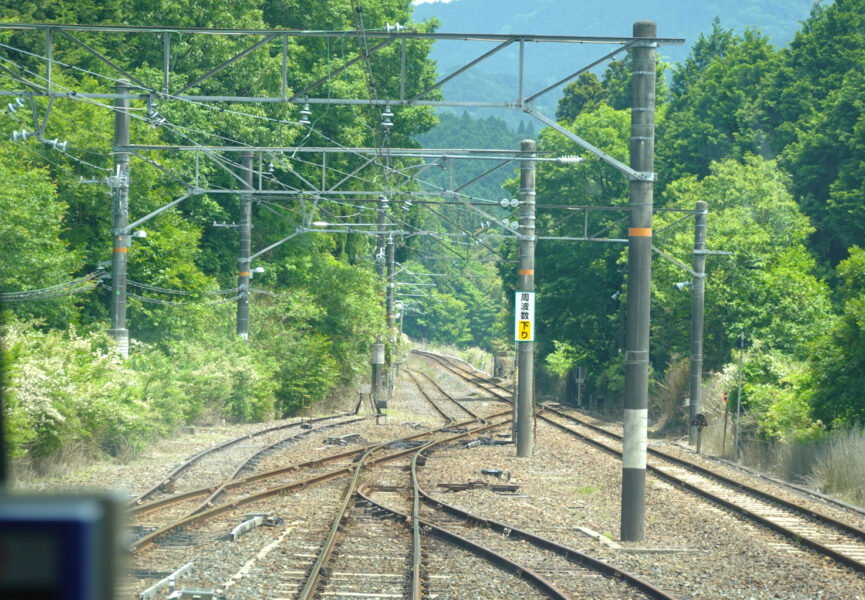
x: 666, y: 397
x: 833, y: 464
x: 839, y: 465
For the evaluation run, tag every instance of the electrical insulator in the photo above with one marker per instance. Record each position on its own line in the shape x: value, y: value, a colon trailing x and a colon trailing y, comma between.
x: 304, y: 115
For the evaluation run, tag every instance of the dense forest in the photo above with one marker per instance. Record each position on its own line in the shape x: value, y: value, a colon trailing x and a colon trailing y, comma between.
x: 770, y: 138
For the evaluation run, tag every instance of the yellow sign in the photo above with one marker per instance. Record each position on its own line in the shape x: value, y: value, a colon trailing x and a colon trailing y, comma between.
x: 525, y: 331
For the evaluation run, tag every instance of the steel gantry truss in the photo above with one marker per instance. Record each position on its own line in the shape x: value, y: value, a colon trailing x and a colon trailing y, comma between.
x: 640, y: 171
x: 277, y: 40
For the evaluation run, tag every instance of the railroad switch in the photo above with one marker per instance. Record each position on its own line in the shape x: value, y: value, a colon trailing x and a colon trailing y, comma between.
x: 193, y: 594
x: 497, y: 473
x: 478, y: 485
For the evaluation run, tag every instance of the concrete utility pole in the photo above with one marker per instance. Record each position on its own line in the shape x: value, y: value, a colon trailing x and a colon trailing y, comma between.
x: 119, y: 222
x: 525, y: 350
x: 698, y: 291
x: 639, y: 282
x: 243, y: 260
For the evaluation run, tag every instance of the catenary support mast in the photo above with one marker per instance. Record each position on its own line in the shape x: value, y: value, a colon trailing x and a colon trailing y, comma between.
x: 243, y: 260
x: 119, y: 221
x: 639, y: 282
x: 698, y: 291
x: 525, y: 350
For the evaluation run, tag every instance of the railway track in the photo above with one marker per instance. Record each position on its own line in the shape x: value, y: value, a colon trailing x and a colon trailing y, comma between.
x: 469, y: 375
x: 450, y: 400
x: 171, y: 482
x: 189, y: 531
x: 819, y: 532
x: 554, y: 570
x: 809, y: 527
x: 349, y: 547
x: 195, y: 500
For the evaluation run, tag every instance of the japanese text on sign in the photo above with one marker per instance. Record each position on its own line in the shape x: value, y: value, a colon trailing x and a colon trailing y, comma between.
x: 524, y: 317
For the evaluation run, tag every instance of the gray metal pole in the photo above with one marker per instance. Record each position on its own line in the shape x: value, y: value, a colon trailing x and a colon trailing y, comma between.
x: 525, y: 350
x: 698, y: 291
x: 390, y: 284
x: 119, y: 222
x: 380, y: 239
x: 243, y: 271
x: 377, y: 366
x: 738, y: 399
x: 639, y: 282
x: 389, y: 314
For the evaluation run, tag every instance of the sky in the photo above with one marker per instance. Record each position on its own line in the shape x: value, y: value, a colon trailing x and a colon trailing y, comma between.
x: 416, y: 2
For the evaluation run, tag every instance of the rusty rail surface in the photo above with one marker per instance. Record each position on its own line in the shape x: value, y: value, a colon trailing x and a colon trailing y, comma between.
x: 314, y: 575
x: 221, y: 446
x: 148, y: 540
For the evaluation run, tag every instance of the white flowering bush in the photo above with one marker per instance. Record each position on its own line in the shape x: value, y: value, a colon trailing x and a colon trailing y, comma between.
x: 63, y: 387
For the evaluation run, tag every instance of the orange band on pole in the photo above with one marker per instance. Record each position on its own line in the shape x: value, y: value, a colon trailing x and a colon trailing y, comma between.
x: 120, y: 250
x: 243, y: 273
x: 639, y: 232
x: 526, y: 271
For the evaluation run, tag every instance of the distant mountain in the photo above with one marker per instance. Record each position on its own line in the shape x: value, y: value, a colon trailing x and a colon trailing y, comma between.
x: 779, y: 19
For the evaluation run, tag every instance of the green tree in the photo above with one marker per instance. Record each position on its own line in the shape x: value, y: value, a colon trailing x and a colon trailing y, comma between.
x: 813, y: 109
x: 767, y: 288
x: 713, y: 112
x: 577, y: 280
x: 838, y: 361
x: 584, y: 94
x: 33, y: 253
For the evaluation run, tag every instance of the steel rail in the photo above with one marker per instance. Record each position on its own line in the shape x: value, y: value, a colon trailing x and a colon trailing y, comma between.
x: 473, y: 379
x: 448, y: 396
x: 178, y: 498
x: 852, y: 531
x: 221, y: 488
x: 570, y: 554
x: 797, y: 537
x: 517, y: 569
x: 221, y: 446
x: 314, y: 575
x: 437, y: 408
x: 149, y: 539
